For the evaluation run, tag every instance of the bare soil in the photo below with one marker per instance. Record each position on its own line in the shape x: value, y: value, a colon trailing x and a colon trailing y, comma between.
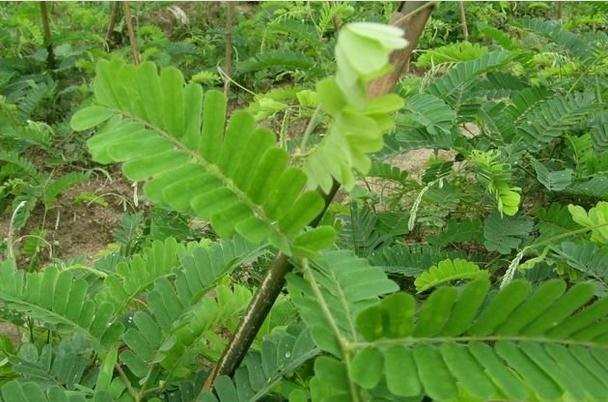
x: 79, y: 228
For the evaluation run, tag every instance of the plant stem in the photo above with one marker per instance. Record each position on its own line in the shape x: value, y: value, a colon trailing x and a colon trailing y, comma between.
x: 258, y: 309
x: 10, y: 238
x: 48, y: 43
x: 463, y: 21
x: 559, y: 10
x: 132, y: 38
x: 411, y: 17
x: 112, y: 23
x: 228, y: 61
x: 344, y: 349
x: 121, y: 373
x: 312, y: 124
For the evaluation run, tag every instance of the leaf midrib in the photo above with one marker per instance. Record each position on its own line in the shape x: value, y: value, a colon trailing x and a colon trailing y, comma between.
x: 413, y: 341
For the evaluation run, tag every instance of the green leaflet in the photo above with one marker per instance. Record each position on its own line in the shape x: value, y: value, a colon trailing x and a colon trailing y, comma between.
x: 15, y: 391
x: 460, y: 78
x: 535, y: 117
x: 447, y: 271
x: 556, y: 32
x: 596, y: 187
x: 358, y: 122
x: 90, y: 116
x: 458, y: 231
x: 235, y: 177
x: 452, y: 53
x: 279, y: 58
x: 504, y: 234
x: 596, y: 220
x: 585, y: 256
x: 64, y: 364
x: 517, y: 112
x: 497, y: 178
x: 388, y: 172
x: 60, y: 300
x: 553, y: 117
x: 430, y: 112
x: 54, y: 188
x: 170, y: 334
x: 330, y: 382
x: 501, y: 348
x: 599, y: 131
x: 409, y: 260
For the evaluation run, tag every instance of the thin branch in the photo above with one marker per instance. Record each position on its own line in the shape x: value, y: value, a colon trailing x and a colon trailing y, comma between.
x: 405, y: 17
x: 115, y: 7
x: 48, y: 42
x: 312, y: 124
x: 463, y: 20
x: 226, y: 77
x: 342, y: 343
x: 11, y: 233
x: 228, y: 59
x: 121, y: 373
x: 411, y: 17
x: 559, y: 10
x: 132, y: 38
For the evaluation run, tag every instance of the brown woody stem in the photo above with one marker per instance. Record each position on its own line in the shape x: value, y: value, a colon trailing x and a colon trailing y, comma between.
x: 131, y: 31
x: 48, y: 43
x: 463, y: 20
x: 114, y: 9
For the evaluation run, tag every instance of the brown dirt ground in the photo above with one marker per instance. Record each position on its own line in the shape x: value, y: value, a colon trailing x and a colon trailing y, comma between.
x: 79, y: 229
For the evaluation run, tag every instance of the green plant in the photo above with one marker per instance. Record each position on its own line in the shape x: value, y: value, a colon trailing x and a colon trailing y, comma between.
x: 446, y: 243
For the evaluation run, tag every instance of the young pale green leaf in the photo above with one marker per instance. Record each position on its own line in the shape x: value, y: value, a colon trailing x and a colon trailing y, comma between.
x: 497, y: 178
x: 358, y: 121
x: 596, y: 220
x: 447, y: 271
x: 377, y: 41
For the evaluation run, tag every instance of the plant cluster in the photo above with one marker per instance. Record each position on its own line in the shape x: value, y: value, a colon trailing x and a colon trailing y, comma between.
x: 479, y: 275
